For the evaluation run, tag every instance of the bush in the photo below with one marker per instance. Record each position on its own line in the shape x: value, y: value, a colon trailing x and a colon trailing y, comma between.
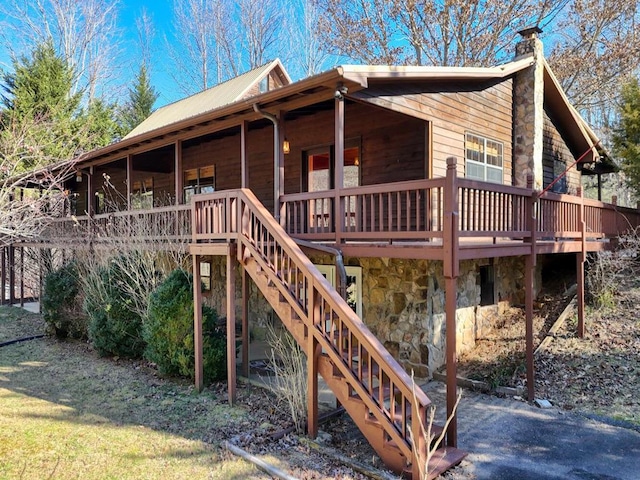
x: 114, y: 327
x: 61, y: 303
x: 168, y: 331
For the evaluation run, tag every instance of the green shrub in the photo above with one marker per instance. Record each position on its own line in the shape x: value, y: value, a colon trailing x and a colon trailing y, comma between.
x: 114, y: 327
x: 61, y: 303
x: 168, y: 331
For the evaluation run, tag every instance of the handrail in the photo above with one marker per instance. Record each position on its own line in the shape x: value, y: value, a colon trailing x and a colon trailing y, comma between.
x: 325, y: 313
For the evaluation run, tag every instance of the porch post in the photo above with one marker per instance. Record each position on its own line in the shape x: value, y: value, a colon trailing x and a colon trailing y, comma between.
x: 244, y: 172
x: 338, y: 181
x: 177, y: 167
x: 312, y: 366
x: 451, y: 271
x: 231, y: 323
x: 281, y: 212
x: 129, y: 175
x: 90, y: 192
x: 245, y: 323
x: 197, y: 322
x: 580, y: 259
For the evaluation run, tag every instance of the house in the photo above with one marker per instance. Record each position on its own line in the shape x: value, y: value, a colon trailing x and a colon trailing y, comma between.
x: 427, y: 196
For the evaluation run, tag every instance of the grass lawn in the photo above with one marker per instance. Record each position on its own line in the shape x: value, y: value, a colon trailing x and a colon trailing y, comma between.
x: 66, y: 413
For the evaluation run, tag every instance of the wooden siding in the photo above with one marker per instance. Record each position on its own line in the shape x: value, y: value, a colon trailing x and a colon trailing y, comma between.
x: 556, y: 157
x: 392, y: 145
x: 453, y: 110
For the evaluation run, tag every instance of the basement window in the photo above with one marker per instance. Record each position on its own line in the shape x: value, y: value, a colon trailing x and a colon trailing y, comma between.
x: 487, y: 285
x: 483, y: 159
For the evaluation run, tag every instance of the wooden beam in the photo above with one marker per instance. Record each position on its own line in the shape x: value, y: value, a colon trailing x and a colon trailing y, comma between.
x: 245, y: 323
x: 91, y: 201
x: 197, y: 323
x: 231, y: 324
x: 580, y: 259
x: 277, y: 201
x: 12, y: 274
x: 217, y: 249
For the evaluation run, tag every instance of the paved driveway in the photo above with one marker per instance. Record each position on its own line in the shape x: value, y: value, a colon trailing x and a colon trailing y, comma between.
x: 509, y: 439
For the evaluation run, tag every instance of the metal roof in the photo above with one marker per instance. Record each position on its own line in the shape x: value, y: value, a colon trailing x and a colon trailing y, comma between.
x: 211, y: 99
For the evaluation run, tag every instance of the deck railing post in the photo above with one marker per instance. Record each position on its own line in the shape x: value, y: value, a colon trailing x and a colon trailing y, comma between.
x: 231, y: 324
x: 451, y: 270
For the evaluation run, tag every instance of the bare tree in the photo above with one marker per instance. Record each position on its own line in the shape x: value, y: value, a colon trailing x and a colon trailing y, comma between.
x: 306, y: 54
x: 29, y: 197
x: 420, y: 32
x: 83, y: 32
x: 598, y: 44
x: 260, y: 23
x: 146, y: 31
x: 199, y: 43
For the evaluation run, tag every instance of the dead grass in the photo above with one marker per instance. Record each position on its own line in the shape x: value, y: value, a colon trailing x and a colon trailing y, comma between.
x: 67, y: 413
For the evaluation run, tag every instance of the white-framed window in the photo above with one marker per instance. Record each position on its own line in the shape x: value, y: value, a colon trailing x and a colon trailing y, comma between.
x: 354, y: 284
x: 484, y: 158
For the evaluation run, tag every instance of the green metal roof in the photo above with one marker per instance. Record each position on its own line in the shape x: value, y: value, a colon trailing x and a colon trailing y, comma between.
x: 215, y: 97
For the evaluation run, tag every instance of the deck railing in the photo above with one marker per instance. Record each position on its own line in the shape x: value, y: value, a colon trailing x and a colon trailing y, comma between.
x: 409, y: 211
x: 392, y: 212
x: 159, y: 225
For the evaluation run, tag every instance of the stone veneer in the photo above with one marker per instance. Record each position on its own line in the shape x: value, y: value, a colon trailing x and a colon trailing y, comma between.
x: 404, y: 304
x: 528, y: 114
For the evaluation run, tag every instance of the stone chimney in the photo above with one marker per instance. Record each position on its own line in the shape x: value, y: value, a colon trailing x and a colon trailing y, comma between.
x: 528, y: 111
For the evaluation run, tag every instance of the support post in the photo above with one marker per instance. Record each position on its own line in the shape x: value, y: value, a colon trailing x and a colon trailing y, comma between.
x: 245, y: 323
x: 177, y: 168
x: 231, y: 324
x: 580, y: 259
x: 529, y: 278
x: 90, y: 193
x: 129, y: 180
x: 3, y: 274
x: 197, y: 323
x: 12, y: 275
x: 338, y: 181
x: 312, y: 367
x: 451, y: 271
x: 22, y: 277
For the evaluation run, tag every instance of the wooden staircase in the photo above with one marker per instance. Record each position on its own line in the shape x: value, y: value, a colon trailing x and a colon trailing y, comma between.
x: 373, y: 388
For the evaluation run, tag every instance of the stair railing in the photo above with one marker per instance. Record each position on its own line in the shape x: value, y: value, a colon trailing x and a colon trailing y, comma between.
x: 353, y: 349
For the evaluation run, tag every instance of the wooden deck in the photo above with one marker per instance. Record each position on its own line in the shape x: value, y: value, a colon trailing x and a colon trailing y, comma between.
x: 401, y: 220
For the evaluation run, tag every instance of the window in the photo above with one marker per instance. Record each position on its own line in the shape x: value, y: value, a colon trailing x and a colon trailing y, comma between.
x: 199, y: 180
x: 487, y: 285
x: 142, y: 194
x: 353, y: 287
x: 483, y: 159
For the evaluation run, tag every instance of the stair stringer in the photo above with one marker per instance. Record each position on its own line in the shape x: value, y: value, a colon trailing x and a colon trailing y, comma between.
x: 362, y: 414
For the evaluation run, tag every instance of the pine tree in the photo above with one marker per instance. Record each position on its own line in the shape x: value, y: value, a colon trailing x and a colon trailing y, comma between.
x: 627, y: 136
x: 142, y: 96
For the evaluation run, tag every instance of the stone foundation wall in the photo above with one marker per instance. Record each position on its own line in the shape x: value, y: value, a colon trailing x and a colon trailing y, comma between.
x: 404, y: 304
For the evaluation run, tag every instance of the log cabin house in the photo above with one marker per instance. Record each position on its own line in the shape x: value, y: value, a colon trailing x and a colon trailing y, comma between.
x: 384, y: 214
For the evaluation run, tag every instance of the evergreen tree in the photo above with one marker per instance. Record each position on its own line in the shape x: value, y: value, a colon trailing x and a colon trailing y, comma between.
x: 142, y: 96
x: 627, y: 136
x: 40, y: 87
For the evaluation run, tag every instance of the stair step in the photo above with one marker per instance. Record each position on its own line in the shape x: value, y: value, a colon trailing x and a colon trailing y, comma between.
x: 443, y: 459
